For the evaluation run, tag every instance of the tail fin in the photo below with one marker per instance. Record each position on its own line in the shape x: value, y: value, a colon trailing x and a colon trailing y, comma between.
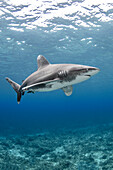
x: 16, y: 87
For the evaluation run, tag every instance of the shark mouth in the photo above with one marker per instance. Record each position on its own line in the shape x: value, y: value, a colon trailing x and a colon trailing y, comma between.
x: 88, y: 75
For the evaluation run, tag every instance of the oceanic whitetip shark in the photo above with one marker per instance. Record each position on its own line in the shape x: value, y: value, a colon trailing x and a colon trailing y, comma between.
x: 50, y: 77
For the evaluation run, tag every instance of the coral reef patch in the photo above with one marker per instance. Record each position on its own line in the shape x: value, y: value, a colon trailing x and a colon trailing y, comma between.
x: 89, y: 148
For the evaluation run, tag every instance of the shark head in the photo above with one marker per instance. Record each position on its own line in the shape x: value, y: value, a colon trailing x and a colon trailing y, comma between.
x: 88, y: 71
x: 81, y: 72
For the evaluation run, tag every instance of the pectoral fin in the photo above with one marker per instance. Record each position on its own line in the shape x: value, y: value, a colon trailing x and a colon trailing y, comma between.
x: 67, y: 90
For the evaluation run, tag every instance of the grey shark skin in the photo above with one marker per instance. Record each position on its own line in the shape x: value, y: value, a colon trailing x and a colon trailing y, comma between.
x: 50, y: 77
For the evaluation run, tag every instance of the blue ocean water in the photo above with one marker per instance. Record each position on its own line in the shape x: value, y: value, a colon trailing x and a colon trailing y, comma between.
x: 74, y: 31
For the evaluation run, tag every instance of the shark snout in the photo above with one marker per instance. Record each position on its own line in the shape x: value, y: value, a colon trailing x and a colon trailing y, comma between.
x: 92, y: 71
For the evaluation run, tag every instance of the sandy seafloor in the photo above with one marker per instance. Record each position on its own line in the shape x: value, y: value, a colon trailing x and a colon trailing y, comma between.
x: 88, y: 148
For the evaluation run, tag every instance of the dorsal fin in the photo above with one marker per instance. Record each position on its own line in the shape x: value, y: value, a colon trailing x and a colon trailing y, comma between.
x: 42, y: 62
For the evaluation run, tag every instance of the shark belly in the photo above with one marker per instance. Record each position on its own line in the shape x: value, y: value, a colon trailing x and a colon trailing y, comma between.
x: 59, y: 85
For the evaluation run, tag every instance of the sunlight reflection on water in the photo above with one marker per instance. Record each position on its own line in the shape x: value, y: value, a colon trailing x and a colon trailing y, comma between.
x: 27, y: 14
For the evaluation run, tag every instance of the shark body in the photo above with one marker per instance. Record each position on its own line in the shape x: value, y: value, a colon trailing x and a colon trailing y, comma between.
x: 50, y: 77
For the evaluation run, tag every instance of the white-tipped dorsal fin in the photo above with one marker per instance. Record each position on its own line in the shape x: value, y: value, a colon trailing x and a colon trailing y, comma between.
x: 42, y: 62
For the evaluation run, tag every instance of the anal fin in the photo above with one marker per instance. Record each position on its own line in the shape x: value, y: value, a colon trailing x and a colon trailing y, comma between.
x: 67, y: 90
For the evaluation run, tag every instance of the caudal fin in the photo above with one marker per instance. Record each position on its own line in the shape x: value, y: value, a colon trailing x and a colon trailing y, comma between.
x: 16, y: 87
